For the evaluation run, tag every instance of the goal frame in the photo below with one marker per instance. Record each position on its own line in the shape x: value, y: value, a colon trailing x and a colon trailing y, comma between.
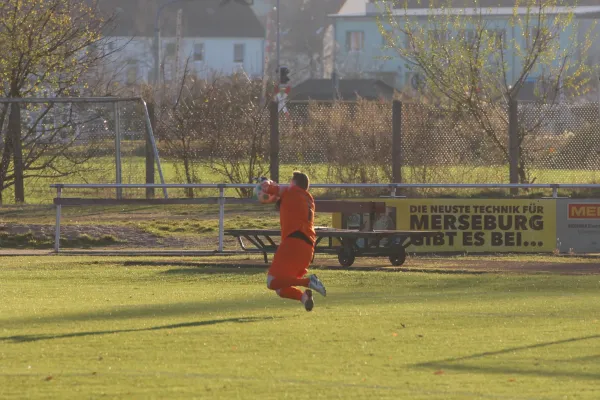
x: 116, y: 105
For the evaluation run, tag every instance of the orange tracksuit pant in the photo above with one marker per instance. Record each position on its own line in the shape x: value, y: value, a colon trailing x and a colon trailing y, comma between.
x: 290, y: 265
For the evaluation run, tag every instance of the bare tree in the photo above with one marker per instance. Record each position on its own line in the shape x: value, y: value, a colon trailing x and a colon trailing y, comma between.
x: 217, y: 123
x: 186, y: 124
x: 239, y: 149
x: 470, y: 63
x: 47, y: 47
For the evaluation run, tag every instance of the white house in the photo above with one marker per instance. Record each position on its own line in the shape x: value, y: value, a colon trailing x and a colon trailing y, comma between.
x: 211, y: 37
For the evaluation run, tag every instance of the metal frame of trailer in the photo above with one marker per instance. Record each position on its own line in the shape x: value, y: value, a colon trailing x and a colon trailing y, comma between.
x: 377, y: 243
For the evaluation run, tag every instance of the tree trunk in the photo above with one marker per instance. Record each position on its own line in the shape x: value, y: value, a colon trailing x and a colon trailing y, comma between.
x: 188, y: 176
x: 14, y: 130
x: 4, y: 163
x: 522, y: 172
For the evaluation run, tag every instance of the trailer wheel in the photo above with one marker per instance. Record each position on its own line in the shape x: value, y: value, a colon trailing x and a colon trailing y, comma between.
x: 346, y: 258
x: 399, y: 258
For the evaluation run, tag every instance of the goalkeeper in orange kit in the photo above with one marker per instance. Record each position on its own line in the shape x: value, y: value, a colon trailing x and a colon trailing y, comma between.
x: 295, y: 252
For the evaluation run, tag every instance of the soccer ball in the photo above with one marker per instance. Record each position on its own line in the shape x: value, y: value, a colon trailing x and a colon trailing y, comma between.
x: 262, y: 197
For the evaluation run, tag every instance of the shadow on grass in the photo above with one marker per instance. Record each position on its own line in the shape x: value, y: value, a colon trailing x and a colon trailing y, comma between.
x: 217, y: 269
x: 182, y: 309
x: 256, y: 266
x: 449, y: 363
x: 35, y: 338
x: 399, y: 269
x: 266, y: 300
x: 202, y: 266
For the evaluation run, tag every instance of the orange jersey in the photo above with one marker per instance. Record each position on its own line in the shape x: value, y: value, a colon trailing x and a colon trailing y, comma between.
x: 297, y: 210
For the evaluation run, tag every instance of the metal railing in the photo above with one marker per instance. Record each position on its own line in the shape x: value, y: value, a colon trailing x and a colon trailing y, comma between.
x: 221, y: 200
x: 391, y: 186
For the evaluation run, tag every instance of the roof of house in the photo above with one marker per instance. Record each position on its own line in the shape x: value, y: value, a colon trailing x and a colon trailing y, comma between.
x: 356, y: 8
x: 348, y: 89
x: 204, y: 18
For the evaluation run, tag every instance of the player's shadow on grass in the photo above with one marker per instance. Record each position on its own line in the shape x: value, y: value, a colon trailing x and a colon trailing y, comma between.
x: 217, y: 268
x: 260, y: 268
x: 257, y: 266
x: 191, y: 308
x: 453, y: 364
x: 35, y: 338
x: 199, y: 267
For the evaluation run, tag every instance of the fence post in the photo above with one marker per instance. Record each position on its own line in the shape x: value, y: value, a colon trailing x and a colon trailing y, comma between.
x: 274, y: 141
x: 14, y: 127
x: 150, y: 153
x: 221, y: 218
x: 118, y: 176
x: 513, y: 143
x: 57, y: 225
x: 397, y: 141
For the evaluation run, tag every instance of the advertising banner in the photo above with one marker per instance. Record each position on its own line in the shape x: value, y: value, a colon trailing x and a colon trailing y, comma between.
x: 578, y: 226
x: 479, y: 225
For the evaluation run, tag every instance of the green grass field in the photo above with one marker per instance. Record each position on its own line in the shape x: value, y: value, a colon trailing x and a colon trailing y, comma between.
x: 37, y: 190
x: 91, y: 327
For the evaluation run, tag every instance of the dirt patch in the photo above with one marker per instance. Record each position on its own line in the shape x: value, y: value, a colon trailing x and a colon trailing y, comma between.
x: 129, y: 237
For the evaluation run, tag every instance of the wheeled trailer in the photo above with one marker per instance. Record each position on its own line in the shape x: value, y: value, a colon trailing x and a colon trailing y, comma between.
x: 351, y: 243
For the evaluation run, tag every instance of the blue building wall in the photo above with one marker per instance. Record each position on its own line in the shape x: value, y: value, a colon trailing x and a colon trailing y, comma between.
x: 370, y: 59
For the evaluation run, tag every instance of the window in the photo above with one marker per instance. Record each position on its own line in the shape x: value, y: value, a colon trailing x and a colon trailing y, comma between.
x: 436, y: 36
x: 467, y: 36
x: 389, y: 35
x: 355, y: 40
x: 238, y: 53
x: 408, y: 75
x: 199, y: 52
x: 408, y: 42
x: 93, y: 50
x: 170, y: 50
x: 132, y: 72
x: 497, y: 38
x: 414, y: 80
x: 535, y: 37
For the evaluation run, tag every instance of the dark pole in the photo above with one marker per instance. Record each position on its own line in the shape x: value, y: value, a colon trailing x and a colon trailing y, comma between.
x: 397, y: 141
x: 274, y: 141
x: 513, y: 142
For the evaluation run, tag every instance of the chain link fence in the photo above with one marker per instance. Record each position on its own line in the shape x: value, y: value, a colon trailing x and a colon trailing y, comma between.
x: 337, y: 142
x: 447, y: 146
x: 334, y: 142
x: 561, y: 142
x: 352, y: 142
x: 213, y: 145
